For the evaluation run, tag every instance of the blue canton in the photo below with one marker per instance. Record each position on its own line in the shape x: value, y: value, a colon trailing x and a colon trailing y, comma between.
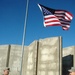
x: 46, y: 12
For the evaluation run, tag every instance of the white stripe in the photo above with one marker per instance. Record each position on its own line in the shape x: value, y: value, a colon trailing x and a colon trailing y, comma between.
x: 68, y: 26
x: 66, y: 18
x: 59, y: 11
x: 51, y: 19
x: 58, y: 15
x: 65, y: 28
x: 69, y: 15
x: 49, y: 16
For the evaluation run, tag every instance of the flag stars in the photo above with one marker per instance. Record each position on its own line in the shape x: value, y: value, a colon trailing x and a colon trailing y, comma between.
x: 45, y: 11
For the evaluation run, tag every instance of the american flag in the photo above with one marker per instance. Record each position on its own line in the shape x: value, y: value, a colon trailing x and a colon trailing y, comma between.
x: 54, y: 17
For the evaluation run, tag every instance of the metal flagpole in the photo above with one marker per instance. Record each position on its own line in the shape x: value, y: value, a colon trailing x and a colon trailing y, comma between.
x: 24, y: 35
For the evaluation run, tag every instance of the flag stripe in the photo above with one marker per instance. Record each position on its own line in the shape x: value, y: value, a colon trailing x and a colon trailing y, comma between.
x: 49, y: 16
x: 53, y: 23
x: 64, y: 22
x: 59, y: 11
x: 65, y: 18
x: 65, y: 28
x: 51, y: 19
x: 69, y: 14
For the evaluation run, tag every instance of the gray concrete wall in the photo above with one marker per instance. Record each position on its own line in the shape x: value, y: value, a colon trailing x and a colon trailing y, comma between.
x: 43, y: 57
x: 15, y: 59
x: 3, y: 57
x: 68, y: 59
x: 29, y: 59
x: 49, y: 56
x: 69, y: 51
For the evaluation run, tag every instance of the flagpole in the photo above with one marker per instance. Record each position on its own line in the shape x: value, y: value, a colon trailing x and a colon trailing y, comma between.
x: 24, y: 35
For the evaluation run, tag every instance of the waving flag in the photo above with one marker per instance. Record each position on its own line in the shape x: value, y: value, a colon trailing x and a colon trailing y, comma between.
x: 53, y: 17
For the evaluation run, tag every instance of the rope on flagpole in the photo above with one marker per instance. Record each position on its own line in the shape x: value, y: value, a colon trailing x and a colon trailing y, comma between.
x: 24, y: 35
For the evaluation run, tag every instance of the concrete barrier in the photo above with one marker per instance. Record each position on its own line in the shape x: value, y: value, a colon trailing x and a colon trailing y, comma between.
x: 41, y: 57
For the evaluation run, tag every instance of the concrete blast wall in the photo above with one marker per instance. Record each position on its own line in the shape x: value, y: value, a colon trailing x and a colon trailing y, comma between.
x: 42, y: 57
x: 3, y: 57
x: 10, y: 56
x: 15, y: 59
x: 49, y: 56
x: 68, y: 59
x: 29, y: 59
x: 69, y: 51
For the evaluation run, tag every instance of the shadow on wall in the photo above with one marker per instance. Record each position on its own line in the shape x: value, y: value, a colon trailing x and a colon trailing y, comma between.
x: 67, y: 63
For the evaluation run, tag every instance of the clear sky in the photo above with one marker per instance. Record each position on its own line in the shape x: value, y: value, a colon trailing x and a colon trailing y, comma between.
x: 12, y: 16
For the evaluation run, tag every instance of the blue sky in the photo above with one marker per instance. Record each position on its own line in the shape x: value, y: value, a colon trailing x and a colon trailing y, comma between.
x: 12, y: 16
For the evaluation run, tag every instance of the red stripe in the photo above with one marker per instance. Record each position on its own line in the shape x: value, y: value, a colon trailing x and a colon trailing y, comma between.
x: 53, y: 25
x: 60, y: 17
x: 64, y: 28
x: 49, y: 18
x: 70, y: 14
x: 52, y: 21
x: 68, y: 17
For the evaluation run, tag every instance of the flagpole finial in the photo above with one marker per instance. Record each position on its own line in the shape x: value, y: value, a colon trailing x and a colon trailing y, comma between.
x: 39, y: 7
